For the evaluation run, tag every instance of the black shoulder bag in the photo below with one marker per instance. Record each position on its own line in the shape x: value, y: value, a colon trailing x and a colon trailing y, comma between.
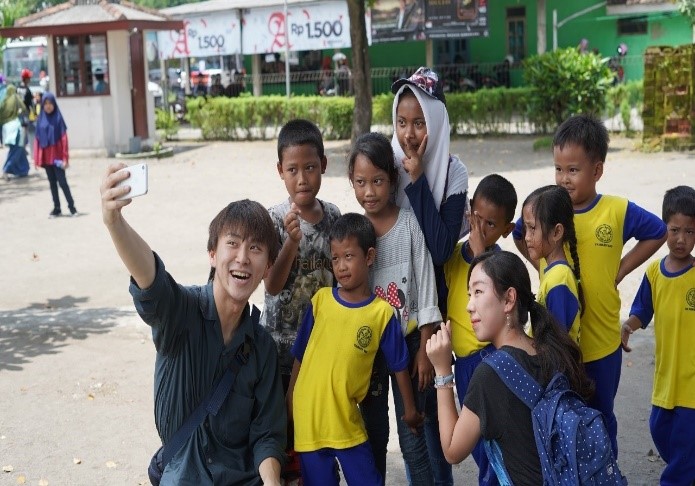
x: 210, y: 405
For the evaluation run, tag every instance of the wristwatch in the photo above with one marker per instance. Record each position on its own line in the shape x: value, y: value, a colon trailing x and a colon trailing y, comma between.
x: 444, y: 381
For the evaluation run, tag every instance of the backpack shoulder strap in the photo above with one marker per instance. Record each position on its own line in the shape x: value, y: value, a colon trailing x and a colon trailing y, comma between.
x: 213, y: 401
x: 515, y: 377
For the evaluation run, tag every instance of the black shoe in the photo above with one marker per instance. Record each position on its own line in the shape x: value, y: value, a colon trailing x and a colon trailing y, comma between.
x: 55, y: 213
x: 73, y: 212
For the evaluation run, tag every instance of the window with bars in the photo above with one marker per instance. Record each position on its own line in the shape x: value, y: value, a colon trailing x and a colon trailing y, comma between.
x: 82, y: 65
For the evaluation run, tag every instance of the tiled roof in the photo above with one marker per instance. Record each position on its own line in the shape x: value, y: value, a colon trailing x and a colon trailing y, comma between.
x: 90, y: 11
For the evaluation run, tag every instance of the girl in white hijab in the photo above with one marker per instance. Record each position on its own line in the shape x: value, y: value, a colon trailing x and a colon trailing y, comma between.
x: 434, y: 184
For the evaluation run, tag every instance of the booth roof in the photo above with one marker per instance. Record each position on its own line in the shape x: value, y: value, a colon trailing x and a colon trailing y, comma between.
x: 221, y: 5
x: 96, y: 15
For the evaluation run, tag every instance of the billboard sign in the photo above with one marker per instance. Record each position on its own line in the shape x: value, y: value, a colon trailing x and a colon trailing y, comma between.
x: 214, y: 34
x: 313, y: 26
x: 400, y: 20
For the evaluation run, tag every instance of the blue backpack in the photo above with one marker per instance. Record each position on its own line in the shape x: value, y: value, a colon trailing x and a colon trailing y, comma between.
x: 571, y: 438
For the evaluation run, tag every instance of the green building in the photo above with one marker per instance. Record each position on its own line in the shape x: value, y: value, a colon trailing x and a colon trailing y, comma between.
x: 513, y: 27
x: 510, y: 30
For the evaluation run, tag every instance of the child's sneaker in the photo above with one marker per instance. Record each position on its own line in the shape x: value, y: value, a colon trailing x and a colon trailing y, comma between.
x: 55, y: 213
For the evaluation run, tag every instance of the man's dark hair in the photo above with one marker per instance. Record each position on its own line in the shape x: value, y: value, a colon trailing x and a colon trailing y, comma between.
x: 357, y: 226
x: 585, y: 131
x: 500, y: 192
x: 678, y: 200
x: 251, y: 221
x: 300, y: 132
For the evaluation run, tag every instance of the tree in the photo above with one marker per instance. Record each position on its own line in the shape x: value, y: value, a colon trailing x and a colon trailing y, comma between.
x: 361, y: 69
x: 687, y: 8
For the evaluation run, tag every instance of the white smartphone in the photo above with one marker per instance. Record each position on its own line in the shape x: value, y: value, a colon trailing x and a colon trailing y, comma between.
x: 137, y: 181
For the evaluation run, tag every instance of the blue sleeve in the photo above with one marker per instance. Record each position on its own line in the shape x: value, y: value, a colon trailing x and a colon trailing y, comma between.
x: 394, y: 347
x: 441, y: 228
x: 641, y: 224
x: 563, y: 305
x: 642, y: 306
x: 518, y: 231
x: 303, y: 333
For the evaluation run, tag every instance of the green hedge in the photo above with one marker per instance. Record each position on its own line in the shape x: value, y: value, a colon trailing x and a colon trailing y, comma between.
x: 487, y: 111
x: 249, y: 118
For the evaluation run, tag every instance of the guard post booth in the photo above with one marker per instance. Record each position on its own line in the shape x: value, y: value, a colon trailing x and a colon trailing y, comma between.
x: 98, y: 69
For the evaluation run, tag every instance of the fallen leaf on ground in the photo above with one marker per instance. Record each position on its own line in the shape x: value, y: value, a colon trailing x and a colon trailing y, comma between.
x: 76, y: 460
x: 629, y: 364
x: 8, y: 468
x: 21, y: 480
x: 111, y: 464
x: 90, y: 396
x: 43, y: 482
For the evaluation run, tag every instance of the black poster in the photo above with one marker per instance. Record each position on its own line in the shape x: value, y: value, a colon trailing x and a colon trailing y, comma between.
x: 399, y: 20
x: 450, y: 19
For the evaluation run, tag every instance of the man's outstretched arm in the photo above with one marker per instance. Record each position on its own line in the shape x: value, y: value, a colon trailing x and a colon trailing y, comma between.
x: 135, y: 253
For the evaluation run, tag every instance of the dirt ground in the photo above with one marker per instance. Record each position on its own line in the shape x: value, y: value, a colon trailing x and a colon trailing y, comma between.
x: 76, y: 363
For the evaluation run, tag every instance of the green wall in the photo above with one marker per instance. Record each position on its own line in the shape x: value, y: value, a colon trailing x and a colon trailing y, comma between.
x: 663, y: 28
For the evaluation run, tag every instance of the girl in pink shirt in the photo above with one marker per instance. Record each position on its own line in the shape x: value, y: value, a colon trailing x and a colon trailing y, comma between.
x: 51, y: 151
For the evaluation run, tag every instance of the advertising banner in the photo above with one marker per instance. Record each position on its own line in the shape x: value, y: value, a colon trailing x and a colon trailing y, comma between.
x: 309, y: 26
x: 396, y: 20
x: 451, y: 19
x: 213, y: 34
x: 400, y: 20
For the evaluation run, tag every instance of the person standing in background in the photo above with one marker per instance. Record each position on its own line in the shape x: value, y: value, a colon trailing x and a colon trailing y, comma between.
x: 51, y: 152
x: 29, y: 122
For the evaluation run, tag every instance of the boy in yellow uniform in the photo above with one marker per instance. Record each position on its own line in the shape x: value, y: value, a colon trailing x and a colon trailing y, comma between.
x: 492, y: 213
x: 603, y: 224
x: 668, y: 294
x: 334, y: 353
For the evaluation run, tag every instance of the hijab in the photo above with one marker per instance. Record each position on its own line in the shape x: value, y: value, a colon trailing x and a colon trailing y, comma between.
x: 11, y: 105
x: 50, y: 127
x: 436, y: 156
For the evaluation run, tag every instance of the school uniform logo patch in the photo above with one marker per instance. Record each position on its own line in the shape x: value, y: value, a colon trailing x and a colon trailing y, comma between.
x: 604, y: 234
x: 364, y: 337
x: 690, y: 299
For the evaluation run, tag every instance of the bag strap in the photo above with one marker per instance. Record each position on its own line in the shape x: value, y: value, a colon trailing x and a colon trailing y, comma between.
x: 213, y: 401
x: 515, y: 377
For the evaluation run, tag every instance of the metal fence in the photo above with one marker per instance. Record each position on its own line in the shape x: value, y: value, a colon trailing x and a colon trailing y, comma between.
x: 455, y: 77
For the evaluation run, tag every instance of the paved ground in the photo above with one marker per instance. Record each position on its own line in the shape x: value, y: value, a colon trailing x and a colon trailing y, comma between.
x: 76, y: 362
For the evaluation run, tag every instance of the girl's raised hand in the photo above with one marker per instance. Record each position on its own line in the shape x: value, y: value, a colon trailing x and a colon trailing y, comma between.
x: 439, y: 350
x: 413, y: 163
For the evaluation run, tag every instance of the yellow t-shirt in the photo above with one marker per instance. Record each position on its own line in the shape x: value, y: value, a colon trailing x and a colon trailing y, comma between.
x: 558, y: 292
x: 670, y: 298
x: 456, y: 269
x: 336, y: 345
x: 599, y: 231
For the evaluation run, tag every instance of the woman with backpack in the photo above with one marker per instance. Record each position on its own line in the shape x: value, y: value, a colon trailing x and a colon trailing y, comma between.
x: 500, y: 304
